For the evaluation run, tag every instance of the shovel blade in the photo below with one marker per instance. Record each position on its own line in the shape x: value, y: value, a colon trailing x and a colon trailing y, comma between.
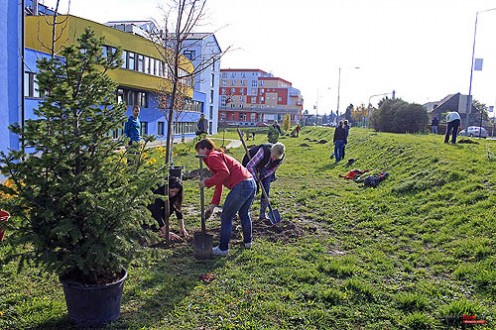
x: 202, y: 245
x: 274, y: 216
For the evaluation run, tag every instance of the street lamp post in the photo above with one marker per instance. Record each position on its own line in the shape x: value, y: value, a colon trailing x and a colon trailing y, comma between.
x: 339, y: 89
x: 469, y: 98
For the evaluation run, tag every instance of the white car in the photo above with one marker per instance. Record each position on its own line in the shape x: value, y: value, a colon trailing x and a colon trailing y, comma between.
x: 474, y: 131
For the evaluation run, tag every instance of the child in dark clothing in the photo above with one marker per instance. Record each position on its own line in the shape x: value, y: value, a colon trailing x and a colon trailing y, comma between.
x: 175, y: 203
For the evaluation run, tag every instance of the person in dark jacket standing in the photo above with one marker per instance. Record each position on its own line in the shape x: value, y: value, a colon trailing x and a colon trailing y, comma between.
x: 347, y: 130
x: 263, y: 165
x: 339, y: 139
x: 202, y: 125
x: 435, y: 125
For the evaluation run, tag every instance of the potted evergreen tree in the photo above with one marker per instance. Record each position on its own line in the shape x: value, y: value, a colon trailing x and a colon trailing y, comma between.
x: 79, y: 203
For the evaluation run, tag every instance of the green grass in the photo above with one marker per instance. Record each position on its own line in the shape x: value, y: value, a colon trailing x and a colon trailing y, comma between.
x: 409, y: 254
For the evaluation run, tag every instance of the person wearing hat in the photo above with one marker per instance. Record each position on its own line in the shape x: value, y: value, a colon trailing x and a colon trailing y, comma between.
x: 202, y: 125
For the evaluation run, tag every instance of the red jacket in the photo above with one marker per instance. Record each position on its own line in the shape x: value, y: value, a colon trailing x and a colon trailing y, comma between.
x: 226, y: 171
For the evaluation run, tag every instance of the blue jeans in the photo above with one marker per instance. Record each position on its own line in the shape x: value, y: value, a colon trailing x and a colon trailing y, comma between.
x: 239, y: 201
x: 338, y: 150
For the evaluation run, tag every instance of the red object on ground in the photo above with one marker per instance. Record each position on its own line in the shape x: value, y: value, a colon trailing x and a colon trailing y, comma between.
x: 4, y: 216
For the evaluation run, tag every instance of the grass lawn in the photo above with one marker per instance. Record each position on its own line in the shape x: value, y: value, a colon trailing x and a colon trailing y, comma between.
x: 414, y: 253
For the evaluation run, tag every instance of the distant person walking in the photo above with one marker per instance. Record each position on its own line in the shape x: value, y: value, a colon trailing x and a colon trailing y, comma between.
x: 132, y: 127
x: 202, y: 125
x: 453, y: 122
x: 347, y: 130
x: 435, y: 125
x: 339, y: 138
x: 277, y: 127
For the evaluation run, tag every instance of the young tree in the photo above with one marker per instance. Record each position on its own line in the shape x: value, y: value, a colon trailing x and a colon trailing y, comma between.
x: 286, y: 123
x: 181, y: 17
x: 78, y: 203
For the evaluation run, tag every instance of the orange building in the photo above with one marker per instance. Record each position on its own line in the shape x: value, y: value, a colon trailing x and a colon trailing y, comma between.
x: 251, y: 97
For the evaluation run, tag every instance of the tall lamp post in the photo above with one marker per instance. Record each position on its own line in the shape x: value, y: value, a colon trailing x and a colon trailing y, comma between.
x: 339, y: 89
x: 469, y: 98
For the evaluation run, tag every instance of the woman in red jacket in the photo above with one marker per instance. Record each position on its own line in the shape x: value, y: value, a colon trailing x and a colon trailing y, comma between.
x: 228, y: 172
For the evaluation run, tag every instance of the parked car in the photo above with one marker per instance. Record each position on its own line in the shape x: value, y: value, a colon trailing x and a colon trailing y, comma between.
x: 473, y: 131
x: 262, y: 124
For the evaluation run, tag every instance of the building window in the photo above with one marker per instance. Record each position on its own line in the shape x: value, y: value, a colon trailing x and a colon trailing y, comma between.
x: 144, y: 128
x: 279, y: 99
x: 211, y: 96
x: 212, y: 80
x: 224, y: 75
x: 254, y: 83
x: 120, y: 95
x: 261, y: 82
x: 147, y: 65
x: 141, y: 63
x: 31, y: 88
x: 190, y: 54
x: 160, y: 128
x: 211, y: 112
x: 224, y: 83
x: 124, y: 59
x: 233, y: 82
x: 253, y: 100
x: 233, y: 90
x: 131, y: 61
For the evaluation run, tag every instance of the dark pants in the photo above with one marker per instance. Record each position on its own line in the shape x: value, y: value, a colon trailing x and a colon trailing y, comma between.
x: 157, y: 207
x: 453, y: 130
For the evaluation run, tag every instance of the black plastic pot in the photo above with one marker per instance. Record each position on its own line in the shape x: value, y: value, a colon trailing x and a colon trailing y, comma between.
x: 93, y: 305
x: 176, y: 171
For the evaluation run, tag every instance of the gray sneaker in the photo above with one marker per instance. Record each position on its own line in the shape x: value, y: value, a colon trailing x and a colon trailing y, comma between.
x: 247, y: 245
x: 216, y: 251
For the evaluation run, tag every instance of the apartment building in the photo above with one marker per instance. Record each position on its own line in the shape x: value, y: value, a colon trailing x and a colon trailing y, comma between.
x: 251, y: 97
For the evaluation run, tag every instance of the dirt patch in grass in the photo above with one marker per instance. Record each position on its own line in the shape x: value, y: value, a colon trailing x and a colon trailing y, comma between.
x: 304, y: 145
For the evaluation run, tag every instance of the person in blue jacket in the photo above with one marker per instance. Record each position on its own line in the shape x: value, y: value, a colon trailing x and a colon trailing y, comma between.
x: 132, y: 127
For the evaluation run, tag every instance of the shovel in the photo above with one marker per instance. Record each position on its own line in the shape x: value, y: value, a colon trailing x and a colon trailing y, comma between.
x: 202, y: 240
x: 274, y: 215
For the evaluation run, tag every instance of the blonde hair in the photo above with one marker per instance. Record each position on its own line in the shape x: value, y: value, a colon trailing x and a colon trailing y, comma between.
x: 278, y: 150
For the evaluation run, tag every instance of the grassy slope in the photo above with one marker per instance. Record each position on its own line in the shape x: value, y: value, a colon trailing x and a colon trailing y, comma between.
x: 407, y: 254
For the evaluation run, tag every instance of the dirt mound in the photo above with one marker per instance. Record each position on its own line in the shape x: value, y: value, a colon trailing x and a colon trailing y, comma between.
x: 467, y: 141
x: 304, y: 145
x: 322, y: 142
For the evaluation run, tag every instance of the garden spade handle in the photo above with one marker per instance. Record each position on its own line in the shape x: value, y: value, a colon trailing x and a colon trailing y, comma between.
x: 202, y: 195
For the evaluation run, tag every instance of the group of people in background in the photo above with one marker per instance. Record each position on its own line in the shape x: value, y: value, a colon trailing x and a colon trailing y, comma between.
x: 243, y: 178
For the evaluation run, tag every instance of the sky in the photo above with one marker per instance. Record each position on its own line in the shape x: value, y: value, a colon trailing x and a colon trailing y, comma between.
x: 421, y: 49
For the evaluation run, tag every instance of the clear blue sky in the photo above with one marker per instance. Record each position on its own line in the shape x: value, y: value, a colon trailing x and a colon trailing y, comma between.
x: 420, y: 48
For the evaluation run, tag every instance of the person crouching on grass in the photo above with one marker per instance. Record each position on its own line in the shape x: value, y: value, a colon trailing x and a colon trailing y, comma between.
x: 175, y: 204
x: 228, y: 172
